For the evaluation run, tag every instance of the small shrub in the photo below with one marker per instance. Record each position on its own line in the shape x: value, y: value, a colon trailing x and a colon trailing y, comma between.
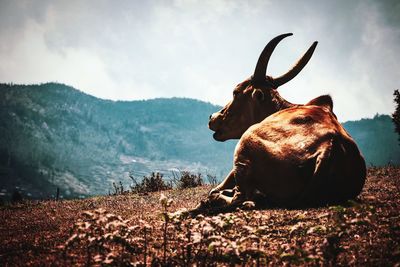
x: 118, y: 189
x: 212, y: 180
x: 188, y: 180
x: 153, y: 183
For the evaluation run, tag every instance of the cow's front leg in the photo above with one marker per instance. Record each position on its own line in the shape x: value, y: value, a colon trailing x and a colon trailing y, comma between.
x: 227, y: 197
x: 240, y: 181
x: 219, y: 199
x: 223, y: 201
x: 244, y: 182
x: 227, y: 183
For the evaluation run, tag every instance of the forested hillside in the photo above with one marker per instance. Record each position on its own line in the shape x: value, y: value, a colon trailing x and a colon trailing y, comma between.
x: 56, y: 136
x: 377, y: 139
x: 53, y: 135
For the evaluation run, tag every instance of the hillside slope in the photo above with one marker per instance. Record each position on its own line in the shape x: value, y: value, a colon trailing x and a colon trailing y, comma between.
x: 53, y: 135
x: 56, y: 136
x: 377, y: 139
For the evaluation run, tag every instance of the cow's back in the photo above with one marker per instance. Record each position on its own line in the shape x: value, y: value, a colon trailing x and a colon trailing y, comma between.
x: 298, y: 149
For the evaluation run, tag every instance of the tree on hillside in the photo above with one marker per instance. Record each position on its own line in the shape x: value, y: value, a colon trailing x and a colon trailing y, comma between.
x: 396, y: 114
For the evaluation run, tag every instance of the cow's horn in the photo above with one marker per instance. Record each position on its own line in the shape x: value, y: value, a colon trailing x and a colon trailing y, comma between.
x: 296, y: 68
x: 262, y: 63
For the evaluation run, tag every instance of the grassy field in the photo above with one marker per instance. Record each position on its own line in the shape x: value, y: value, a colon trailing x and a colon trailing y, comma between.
x: 135, y: 229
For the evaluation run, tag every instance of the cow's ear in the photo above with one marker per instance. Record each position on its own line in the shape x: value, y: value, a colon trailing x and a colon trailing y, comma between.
x: 258, y: 95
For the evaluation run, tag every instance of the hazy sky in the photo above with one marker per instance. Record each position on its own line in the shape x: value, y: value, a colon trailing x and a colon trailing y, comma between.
x: 202, y: 49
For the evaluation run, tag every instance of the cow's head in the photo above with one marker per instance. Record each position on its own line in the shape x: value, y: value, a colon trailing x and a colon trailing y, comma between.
x: 255, y: 98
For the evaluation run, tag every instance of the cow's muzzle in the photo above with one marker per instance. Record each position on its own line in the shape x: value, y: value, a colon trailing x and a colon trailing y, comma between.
x: 218, y: 136
x: 215, y: 125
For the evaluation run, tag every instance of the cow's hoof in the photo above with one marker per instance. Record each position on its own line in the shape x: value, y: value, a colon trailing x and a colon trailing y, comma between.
x: 228, y: 192
x: 248, y: 205
x: 200, y: 208
x: 213, y: 191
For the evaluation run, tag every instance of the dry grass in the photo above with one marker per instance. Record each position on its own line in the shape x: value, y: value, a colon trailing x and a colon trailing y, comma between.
x: 83, y: 232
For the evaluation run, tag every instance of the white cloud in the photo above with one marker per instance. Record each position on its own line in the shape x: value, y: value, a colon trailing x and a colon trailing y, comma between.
x: 201, y: 49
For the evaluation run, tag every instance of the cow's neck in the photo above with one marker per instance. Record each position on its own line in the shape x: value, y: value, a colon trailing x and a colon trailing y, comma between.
x: 281, y: 103
x: 278, y: 103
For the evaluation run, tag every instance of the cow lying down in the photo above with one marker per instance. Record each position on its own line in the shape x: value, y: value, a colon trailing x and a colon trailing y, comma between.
x: 289, y: 155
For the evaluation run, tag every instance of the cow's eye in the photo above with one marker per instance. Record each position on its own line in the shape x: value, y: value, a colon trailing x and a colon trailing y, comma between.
x: 235, y: 93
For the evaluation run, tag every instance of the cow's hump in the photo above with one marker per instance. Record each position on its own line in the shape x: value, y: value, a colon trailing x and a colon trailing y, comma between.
x: 323, y: 100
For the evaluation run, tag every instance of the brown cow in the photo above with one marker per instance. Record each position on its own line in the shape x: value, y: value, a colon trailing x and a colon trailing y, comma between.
x: 290, y: 154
